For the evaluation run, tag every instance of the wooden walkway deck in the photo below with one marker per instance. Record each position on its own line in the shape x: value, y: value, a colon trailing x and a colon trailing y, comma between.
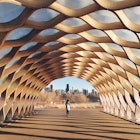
x: 86, y: 124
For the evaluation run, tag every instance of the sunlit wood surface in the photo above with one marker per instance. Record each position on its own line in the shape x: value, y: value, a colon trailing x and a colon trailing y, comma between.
x: 86, y: 124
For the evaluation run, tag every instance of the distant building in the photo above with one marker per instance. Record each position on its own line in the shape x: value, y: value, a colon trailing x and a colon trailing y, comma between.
x: 85, y: 91
x: 51, y: 88
x: 92, y: 91
x: 47, y: 89
x: 72, y: 90
x: 67, y: 88
x: 76, y: 91
x: 60, y: 91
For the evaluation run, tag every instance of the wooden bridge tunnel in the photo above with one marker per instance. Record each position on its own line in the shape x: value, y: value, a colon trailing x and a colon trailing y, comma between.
x: 95, y: 40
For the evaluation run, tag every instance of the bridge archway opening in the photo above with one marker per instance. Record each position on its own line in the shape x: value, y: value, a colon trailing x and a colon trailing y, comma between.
x: 73, y: 83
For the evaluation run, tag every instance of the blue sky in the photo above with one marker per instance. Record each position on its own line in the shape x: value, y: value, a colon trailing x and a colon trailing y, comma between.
x: 72, y: 81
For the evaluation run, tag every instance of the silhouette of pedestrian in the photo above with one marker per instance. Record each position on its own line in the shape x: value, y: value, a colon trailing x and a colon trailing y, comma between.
x: 67, y: 104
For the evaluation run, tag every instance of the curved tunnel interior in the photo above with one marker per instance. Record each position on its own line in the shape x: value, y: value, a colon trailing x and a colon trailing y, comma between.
x: 95, y: 40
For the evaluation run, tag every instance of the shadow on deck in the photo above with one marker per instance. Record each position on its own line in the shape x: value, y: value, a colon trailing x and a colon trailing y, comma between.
x: 82, y: 124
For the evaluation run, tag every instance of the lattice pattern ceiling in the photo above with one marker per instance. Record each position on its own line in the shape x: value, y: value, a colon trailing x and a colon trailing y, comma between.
x: 43, y: 40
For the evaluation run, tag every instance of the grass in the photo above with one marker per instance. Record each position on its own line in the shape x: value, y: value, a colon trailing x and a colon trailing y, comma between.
x: 72, y: 105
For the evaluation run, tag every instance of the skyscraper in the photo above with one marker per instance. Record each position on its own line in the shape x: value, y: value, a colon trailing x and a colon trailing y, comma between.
x: 67, y: 88
x: 51, y: 88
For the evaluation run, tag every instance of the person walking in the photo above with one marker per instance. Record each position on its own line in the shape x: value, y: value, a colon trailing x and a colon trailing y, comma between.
x: 67, y: 104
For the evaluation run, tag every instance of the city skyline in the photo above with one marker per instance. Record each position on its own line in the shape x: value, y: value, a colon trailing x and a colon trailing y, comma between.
x: 74, y: 83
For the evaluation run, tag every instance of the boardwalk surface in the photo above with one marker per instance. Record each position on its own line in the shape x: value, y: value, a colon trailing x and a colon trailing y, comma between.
x: 52, y: 124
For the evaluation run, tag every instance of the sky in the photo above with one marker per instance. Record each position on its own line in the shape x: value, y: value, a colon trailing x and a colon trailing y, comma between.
x: 73, y: 82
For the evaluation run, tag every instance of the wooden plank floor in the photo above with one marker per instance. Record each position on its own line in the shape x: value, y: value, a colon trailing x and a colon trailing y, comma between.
x: 86, y: 124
